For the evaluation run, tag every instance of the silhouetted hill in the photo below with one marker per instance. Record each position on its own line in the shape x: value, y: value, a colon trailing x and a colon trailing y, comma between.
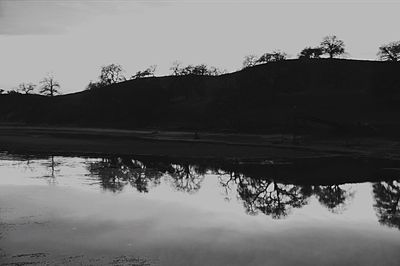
x: 302, y: 96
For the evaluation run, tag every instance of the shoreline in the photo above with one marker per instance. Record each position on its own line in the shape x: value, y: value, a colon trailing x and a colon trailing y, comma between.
x: 95, y: 141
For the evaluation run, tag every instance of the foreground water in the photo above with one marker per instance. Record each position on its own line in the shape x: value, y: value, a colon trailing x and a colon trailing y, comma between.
x: 128, y: 211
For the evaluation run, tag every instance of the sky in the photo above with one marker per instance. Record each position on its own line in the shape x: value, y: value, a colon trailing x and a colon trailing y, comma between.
x: 72, y: 39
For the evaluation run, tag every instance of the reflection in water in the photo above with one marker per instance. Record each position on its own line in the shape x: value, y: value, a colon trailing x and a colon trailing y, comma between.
x: 187, y: 178
x: 52, y: 166
x: 154, y: 221
x: 259, y: 192
x: 333, y: 197
x: 387, y: 202
x: 115, y: 173
x: 266, y: 196
x: 259, y: 195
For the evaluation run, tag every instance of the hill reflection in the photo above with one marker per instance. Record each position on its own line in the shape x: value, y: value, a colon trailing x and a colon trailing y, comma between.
x: 270, y: 188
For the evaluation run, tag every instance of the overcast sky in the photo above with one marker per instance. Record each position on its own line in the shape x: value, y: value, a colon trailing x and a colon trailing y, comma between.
x: 73, y: 39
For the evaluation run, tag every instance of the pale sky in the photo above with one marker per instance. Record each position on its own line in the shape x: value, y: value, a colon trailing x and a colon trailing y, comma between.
x: 72, y: 39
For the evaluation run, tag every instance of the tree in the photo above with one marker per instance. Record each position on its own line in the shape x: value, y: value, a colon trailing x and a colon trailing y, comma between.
x: 249, y: 61
x: 148, y: 72
x: 94, y: 85
x: 175, y: 68
x: 310, y: 52
x: 215, y: 71
x: 332, y: 46
x: 13, y: 92
x: 390, y: 51
x: 111, y: 74
x: 26, y: 87
x: 49, y: 86
x: 275, y: 56
x: 200, y: 70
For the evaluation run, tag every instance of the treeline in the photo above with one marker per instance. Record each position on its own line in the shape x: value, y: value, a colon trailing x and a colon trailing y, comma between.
x: 329, y: 47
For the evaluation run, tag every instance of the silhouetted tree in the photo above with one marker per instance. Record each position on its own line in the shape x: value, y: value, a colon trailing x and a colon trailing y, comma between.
x: 310, y: 52
x: 332, y: 46
x: 94, y: 85
x: 111, y: 74
x: 26, y: 87
x: 215, y: 71
x: 49, y: 86
x: 175, y: 68
x: 148, y: 72
x: 275, y: 56
x: 390, y: 51
x: 13, y: 91
x: 249, y: 61
x: 387, y: 202
x: 200, y: 70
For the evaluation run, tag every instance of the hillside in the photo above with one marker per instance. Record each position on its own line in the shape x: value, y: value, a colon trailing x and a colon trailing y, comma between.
x: 300, y: 96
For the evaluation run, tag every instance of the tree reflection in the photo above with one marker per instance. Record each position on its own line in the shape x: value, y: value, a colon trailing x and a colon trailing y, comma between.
x: 267, y: 196
x: 53, y: 167
x: 387, y: 198
x: 333, y: 197
x: 187, y: 178
x: 271, y: 198
x: 115, y: 173
x: 259, y: 195
x: 277, y: 199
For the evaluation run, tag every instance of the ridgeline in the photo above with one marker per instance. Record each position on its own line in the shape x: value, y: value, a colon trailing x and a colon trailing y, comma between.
x: 316, y: 96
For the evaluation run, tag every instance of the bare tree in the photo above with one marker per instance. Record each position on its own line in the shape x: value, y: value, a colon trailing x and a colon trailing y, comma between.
x: 50, y: 86
x: 390, y: 51
x: 148, y: 72
x: 26, y: 87
x: 332, y: 46
x: 175, y: 68
x: 111, y: 74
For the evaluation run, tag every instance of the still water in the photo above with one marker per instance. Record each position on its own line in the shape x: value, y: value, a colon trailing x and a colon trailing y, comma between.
x: 58, y: 210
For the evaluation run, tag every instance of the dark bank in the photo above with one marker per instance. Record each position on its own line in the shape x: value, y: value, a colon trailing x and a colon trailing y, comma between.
x: 330, y: 97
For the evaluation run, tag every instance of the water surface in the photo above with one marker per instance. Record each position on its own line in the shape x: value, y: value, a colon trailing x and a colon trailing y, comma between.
x: 149, y: 211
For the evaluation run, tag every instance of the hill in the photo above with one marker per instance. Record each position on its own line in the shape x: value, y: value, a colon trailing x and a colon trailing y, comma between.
x: 300, y: 96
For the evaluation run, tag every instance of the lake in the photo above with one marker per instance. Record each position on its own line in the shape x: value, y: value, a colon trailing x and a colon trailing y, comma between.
x: 122, y: 210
